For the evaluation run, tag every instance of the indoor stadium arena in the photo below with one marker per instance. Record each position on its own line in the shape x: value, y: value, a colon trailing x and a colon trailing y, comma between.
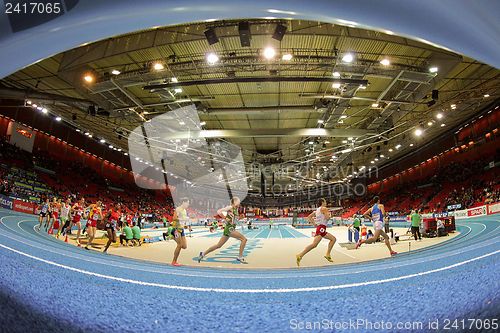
x: 263, y: 166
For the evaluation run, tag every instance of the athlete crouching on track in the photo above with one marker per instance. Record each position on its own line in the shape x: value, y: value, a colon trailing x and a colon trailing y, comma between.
x: 112, y: 221
x: 320, y: 219
x: 179, y: 221
x: 95, y: 214
x: 376, y: 212
x: 229, y: 230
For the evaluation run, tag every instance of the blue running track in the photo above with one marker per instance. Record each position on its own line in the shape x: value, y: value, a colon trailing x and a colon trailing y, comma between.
x: 49, y: 286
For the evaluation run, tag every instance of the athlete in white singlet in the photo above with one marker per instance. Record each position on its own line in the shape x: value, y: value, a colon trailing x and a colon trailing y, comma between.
x: 320, y: 219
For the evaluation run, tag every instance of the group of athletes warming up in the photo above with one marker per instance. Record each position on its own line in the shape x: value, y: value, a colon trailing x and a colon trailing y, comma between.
x: 70, y: 215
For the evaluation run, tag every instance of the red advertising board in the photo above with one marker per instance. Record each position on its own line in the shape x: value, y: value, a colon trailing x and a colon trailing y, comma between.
x: 478, y: 211
x: 24, y: 207
x: 494, y: 208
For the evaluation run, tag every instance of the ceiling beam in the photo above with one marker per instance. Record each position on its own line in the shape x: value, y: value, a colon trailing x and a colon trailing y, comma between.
x: 272, y: 132
x: 255, y: 79
x: 356, y: 98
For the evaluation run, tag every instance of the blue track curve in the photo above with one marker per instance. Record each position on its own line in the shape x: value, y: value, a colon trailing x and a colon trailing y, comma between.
x: 52, y: 286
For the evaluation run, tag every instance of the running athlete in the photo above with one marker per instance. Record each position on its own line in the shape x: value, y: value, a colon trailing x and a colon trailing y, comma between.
x: 179, y: 221
x: 111, y: 225
x: 44, y: 210
x: 319, y: 219
x: 376, y: 212
x: 95, y: 214
x: 55, y: 206
x: 64, y: 218
x: 230, y: 214
x: 77, y: 211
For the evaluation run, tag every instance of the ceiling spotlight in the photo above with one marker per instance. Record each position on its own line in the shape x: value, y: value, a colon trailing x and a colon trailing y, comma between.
x: 203, y: 123
x: 443, y: 125
x: 177, y: 90
x: 44, y: 110
x: 390, y: 150
x: 385, y: 62
x: 87, y: 133
x: 372, y: 162
x: 78, y: 130
x: 453, y: 106
x: 320, y: 121
x: 174, y: 80
x: 28, y: 102
x: 376, y: 159
x: 348, y: 57
x: 182, y: 123
x: 430, y: 123
x: 212, y: 58
x: 336, y: 85
x: 115, y: 72
x: 279, y: 32
x: 343, y: 116
x: 34, y: 105
x: 90, y: 135
x: 418, y: 132
x: 88, y: 78
x: 350, y: 138
x: 111, y: 146
x: 375, y: 105
x: 58, y: 118
x: 382, y: 155
x: 158, y: 66
x: 336, y: 74
x: 362, y: 87
x: 287, y: 57
x: 439, y: 116
x: 126, y: 154
x: 486, y: 95
x: 269, y: 53
x: 398, y: 146
x: 311, y: 142
x: 433, y: 69
x: 411, y: 144
x: 211, y: 36
x: 344, y: 141
x: 102, y: 140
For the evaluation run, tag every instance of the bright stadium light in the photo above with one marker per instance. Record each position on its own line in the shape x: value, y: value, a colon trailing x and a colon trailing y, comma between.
x: 385, y: 62
x: 269, y: 53
x: 418, y: 132
x: 212, y: 58
x: 348, y: 57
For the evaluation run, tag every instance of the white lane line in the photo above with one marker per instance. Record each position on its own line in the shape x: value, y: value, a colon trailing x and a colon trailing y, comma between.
x: 249, y: 291
x: 244, y: 275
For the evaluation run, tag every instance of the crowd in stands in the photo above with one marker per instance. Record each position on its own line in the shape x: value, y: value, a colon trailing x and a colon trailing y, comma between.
x: 22, y: 177
x: 466, y: 184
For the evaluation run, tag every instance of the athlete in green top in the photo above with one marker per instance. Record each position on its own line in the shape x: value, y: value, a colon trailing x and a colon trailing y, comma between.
x: 178, y: 222
x: 230, y: 214
x: 415, y: 224
x: 356, y: 223
x: 128, y: 234
x: 136, y: 233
